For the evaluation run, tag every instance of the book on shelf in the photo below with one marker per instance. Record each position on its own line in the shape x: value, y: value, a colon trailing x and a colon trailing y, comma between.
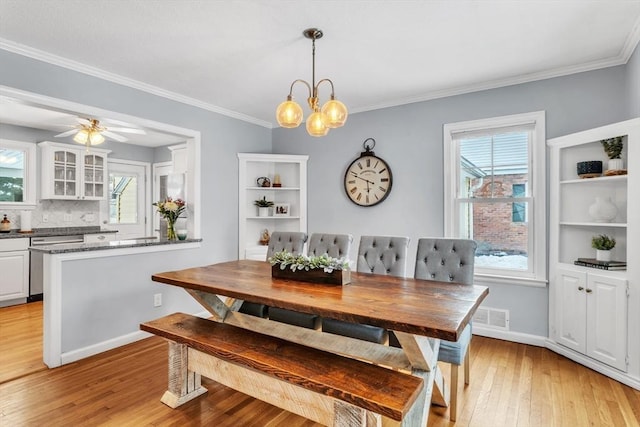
x: 602, y: 265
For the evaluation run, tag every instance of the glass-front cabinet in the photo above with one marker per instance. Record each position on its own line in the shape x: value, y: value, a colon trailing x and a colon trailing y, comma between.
x: 70, y: 173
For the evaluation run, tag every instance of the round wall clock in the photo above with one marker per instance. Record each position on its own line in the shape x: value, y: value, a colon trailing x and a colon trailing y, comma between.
x: 368, y: 178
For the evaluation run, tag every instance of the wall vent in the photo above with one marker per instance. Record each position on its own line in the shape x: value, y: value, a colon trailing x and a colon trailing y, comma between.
x: 493, y: 318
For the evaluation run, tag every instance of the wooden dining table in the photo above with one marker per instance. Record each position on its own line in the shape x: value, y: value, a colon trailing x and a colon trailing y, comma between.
x: 419, y: 312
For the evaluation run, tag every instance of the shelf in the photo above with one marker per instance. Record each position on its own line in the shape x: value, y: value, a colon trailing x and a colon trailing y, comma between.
x: 601, y: 180
x: 594, y: 224
x: 273, y: 217
x: 275, y: 188
x: 613, y: 273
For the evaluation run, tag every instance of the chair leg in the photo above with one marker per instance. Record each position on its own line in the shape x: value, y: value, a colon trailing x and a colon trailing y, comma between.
x: 466, y: 366
x: 453, y: 407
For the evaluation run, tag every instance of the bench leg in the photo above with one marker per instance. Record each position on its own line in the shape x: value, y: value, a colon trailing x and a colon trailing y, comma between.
x: 184, y: 385
x: 352, y: 416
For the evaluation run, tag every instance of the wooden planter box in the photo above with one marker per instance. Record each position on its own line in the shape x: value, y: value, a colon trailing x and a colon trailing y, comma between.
x: 336, y: 277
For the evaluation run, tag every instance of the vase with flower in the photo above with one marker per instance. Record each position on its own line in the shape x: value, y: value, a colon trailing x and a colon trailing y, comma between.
x: 170, y: 210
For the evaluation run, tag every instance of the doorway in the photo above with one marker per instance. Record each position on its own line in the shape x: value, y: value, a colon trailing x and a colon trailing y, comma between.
x: 128, y: 206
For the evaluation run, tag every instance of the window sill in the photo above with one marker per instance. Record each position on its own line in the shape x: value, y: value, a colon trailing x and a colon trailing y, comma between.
x: 485, y: 279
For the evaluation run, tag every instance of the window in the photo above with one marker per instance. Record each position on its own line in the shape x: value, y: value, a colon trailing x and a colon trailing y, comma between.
x: 17, y: 174
x: 495, y: 194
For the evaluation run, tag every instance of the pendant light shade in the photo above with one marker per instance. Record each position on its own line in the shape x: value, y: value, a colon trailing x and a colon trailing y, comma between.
x: 289, y: 114
x: 316, y: 124
x: 333, y: 113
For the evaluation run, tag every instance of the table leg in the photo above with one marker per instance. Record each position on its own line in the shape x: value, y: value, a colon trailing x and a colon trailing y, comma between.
x: 214, y: 304
x: 422, y: 353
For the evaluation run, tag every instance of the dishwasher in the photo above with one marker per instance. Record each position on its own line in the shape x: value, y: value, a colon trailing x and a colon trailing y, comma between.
x: 35, y: 277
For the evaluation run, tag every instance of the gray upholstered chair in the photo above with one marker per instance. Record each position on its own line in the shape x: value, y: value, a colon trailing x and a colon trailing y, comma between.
x: 449, y: 260
x: 336, y: 246
x: 291, y: 241
x: 378, y: 255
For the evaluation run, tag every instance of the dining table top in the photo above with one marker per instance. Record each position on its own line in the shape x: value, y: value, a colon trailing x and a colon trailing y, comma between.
x: 421, y: 307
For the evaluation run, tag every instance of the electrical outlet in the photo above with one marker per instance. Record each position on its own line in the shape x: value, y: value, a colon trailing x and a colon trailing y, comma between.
x: 157, y: 300
x: 45, y: 217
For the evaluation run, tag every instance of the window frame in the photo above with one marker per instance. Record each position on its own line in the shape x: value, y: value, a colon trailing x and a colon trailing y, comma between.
x: 29, y: 181
x: 536, y: 217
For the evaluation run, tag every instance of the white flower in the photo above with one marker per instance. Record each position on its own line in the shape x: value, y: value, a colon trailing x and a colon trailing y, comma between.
x: 170, y: 206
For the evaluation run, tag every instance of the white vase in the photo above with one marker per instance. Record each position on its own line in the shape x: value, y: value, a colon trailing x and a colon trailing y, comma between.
x: 603, y: 255
x: 263, y: 211
x: 615, y: 164
x: 603, y: 210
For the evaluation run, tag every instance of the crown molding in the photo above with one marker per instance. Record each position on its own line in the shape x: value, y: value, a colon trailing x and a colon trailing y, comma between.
x: 43, y: 56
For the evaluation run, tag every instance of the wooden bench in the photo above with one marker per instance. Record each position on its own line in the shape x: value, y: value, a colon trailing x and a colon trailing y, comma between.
x: 328, y: 388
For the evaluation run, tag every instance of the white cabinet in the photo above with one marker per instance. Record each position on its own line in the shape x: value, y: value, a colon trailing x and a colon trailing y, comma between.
x: 291, y: 197
x: 14, y: 268
x: 590, y: 309
x: 99, y: 237
x: 591, y: 315
x: 70, y: 173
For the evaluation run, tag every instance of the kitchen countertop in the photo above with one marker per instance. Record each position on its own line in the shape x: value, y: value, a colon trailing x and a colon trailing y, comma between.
x: 55, y: 231
x: 115, y: 244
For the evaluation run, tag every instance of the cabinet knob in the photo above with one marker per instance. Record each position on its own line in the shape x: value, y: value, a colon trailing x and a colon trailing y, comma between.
x: 580, y: 288
x: 100, y: 237
x: 589, y: 290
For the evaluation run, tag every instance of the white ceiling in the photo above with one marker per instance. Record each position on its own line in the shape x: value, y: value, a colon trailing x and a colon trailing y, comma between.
x: 240, y: 57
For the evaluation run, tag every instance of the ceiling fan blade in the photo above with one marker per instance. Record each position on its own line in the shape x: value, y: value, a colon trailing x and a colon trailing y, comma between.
x: 118, y: 123
x: 115, y: 136
x: 129, y: 130
x: 67, y: 133
x: 83, y: 121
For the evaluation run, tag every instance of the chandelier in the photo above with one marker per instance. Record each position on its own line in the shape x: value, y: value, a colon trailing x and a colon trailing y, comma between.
x: 90, y: 134
x: 333, y: 113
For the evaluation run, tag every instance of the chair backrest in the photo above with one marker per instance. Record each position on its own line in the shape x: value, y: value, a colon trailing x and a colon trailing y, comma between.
x: 383, y: 255
x: 334, y: 245
x: 290, y: 241
x: 446, y: 260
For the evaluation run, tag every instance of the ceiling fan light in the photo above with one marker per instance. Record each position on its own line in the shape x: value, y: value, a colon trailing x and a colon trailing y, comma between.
x: 82, y: 136
x: 289, y: 114
x: 96, y: 138
x: 316, y: 124
x: 335, y: 112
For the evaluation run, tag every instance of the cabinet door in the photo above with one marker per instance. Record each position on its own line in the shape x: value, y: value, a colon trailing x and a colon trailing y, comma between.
x: 15, y: 275
x: 607, y: 320
x: 571, y: 309
x: 64, y: 182
x: 94, y: 178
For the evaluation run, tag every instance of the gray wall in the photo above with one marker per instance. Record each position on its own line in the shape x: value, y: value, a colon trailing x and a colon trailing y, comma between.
x: 410, y: 138
x: 633, y: 83
x: 222, y: 138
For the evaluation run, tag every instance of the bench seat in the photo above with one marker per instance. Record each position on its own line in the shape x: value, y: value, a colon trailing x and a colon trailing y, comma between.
x: 373, y: 388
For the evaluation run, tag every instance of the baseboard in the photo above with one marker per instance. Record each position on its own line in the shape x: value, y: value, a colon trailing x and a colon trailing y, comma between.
x: 608, y: 371
x: 519, y: 337
x: 81, y: 353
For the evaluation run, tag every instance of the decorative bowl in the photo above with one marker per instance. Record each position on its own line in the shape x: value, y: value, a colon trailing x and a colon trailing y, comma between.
x: 589, y: 169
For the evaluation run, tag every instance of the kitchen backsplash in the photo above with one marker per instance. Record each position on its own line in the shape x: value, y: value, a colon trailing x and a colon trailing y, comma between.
x: 58, y: 213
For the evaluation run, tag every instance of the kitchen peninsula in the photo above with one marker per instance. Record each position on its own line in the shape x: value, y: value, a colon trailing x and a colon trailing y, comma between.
x: 96, y: 294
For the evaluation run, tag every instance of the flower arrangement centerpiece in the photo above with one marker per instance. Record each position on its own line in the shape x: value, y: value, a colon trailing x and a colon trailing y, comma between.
x: 316, y: 269
x: 170, y: 210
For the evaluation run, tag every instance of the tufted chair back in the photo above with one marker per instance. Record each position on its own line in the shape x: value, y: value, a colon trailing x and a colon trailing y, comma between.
x: 446, y: 260
x: 334, y: 245
x: 290, y: 241
x: 383, y: 255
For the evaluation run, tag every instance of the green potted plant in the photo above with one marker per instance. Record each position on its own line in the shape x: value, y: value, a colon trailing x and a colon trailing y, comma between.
x: 263, y: 206
x: 613, y: 147
x: 603, y: 245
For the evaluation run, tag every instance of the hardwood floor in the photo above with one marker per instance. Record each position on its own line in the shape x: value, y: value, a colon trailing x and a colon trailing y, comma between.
x: 511, y: 385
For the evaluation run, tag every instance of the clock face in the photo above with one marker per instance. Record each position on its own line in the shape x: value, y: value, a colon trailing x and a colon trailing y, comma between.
x: 368, y: 180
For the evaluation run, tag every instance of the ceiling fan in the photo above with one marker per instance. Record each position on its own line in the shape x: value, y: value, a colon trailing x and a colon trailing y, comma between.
x: 91, y: 132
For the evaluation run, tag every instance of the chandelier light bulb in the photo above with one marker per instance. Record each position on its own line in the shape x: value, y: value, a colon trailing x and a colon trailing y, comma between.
x: 289, y: 114
x: 82, y: 136
x: 96, y: 138
x: 316, y: 124
x: 335, y: 112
